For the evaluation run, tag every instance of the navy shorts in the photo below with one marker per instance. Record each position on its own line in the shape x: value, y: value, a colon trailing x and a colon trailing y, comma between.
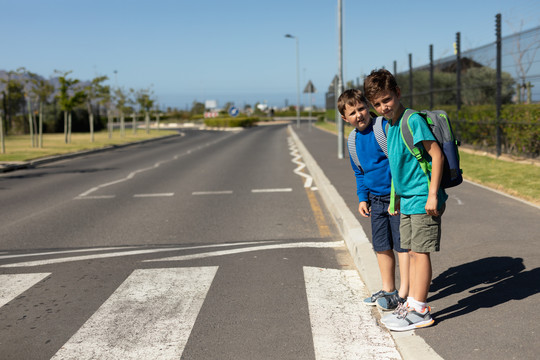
x: 384, y: 227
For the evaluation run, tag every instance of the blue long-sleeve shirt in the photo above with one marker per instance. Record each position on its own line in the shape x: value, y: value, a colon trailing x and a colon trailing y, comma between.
x: 376, y: 178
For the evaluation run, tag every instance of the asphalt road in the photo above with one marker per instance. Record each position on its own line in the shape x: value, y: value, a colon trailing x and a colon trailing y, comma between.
x: 209, y: 245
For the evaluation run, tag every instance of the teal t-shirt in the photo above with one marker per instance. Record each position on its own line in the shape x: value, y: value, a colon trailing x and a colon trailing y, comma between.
x: 410, y: 181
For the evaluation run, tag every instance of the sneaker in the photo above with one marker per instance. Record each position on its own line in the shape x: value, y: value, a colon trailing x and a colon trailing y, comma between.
x: 372, y: 300
x: 410, y: 320
x: 400, y: 310
x: 390, y: 302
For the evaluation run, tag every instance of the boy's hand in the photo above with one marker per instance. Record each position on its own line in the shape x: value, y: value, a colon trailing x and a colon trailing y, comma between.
x: 396, y: 207
x: 363, y: 209
x: 431, y: 205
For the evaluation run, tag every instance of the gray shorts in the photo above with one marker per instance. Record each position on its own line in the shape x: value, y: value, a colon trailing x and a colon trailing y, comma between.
x: 421, y: 232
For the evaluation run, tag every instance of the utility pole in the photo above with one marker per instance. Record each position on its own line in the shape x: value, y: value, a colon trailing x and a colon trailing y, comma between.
x: 339, y: 121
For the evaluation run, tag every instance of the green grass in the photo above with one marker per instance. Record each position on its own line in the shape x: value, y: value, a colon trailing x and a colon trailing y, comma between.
x: 19, y: 148
x: 512, y: 177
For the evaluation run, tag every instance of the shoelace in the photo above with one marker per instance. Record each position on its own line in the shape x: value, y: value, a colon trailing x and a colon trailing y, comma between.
x: 401, y: 310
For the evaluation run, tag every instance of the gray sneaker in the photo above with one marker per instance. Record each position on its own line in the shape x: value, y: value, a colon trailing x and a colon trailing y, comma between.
x: 372, y: 300
x: 400, y: 310
x: 390, y: 302
x: 410, y: 320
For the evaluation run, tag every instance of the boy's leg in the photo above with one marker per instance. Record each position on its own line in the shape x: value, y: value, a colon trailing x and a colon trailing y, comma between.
x: 403, y: 258
x: 387, y: 267
x: 420, y: 275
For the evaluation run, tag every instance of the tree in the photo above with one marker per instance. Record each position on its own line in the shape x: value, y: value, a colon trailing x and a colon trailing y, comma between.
x: 42, y: 90
x: 524, y: 54
x: 121, y: 100
x: 13, y: 98
x: 69, y: 98
x: 95, y: 90
x: 145, y: 101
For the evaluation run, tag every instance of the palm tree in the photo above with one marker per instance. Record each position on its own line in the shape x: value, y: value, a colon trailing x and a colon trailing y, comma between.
x: 94, y: 91
x: 67, y: 102
x: 42, y: 90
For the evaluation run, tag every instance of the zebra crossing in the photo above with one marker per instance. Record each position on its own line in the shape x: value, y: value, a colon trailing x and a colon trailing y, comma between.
x: 151, y: 314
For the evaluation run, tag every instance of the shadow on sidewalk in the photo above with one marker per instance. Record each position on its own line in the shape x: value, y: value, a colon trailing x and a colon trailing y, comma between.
x: 491, y: 281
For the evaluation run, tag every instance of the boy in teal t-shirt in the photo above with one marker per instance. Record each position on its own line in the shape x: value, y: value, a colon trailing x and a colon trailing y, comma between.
x: 421, y: 202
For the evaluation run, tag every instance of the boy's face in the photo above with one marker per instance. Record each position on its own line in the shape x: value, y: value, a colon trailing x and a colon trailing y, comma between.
x: 357, y: 115
x: 387, y: 104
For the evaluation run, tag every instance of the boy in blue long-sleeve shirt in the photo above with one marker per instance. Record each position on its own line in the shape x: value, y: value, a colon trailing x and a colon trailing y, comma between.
x: 373, y: 187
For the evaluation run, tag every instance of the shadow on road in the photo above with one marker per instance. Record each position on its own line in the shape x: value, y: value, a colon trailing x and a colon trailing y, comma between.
x: 491, y: 281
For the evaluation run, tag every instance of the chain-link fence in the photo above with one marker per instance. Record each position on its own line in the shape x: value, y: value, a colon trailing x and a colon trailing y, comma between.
x: 469, y: 84
x: 492, y: 93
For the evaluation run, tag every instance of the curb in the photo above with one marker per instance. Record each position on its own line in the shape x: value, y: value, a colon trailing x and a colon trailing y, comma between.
x: 411, y: 346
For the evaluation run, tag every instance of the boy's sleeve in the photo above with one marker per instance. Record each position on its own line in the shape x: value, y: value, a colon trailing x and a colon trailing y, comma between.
x: 361, y: 190
x: 420, y: 130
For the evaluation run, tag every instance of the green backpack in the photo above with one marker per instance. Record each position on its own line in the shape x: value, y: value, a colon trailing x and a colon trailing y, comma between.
x: 440, y: 126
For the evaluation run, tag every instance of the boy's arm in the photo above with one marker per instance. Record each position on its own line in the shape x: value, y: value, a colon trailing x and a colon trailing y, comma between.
x: 361, y: 190
x: 437, y: 162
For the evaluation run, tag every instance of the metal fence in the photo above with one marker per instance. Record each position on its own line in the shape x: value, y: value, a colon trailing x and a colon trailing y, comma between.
x: 494, y: 79
x: 488, y: 77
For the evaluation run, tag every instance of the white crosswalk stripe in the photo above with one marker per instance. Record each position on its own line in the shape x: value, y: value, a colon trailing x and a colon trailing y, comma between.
x: 13, y: 285
x: 149, y: 316
x: 342, y: 327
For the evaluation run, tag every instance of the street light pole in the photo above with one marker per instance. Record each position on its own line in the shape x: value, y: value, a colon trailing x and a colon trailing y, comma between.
x: 297, y: 80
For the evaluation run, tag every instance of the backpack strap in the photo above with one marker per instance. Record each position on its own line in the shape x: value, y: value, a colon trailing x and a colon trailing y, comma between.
x: 407, y: 136
x: 351, y: 144
x: 380, y: 135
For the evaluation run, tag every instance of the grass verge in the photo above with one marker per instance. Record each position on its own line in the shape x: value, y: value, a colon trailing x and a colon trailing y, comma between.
x: 19, y: 148
x: 511, y: 177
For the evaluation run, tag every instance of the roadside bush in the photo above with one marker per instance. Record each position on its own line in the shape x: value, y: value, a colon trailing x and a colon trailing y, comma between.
x: 231, y: 122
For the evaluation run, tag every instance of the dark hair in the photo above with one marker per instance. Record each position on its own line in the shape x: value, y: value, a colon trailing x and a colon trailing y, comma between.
x: 379, y: 81
x: 350, y: 97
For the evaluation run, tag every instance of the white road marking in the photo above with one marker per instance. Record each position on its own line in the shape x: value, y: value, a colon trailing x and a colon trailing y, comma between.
x: 150, y: 316
x: 342, y: 327
x: 459, y: 202
x: 80, y: 197
x: 222, y: 192
x: 63, y: 252
x: 15, y: 284
x: 118, y: 254
x: 153, y: 195
x: 252, y: 248
x: 298, y: 171
x: 271, y: 190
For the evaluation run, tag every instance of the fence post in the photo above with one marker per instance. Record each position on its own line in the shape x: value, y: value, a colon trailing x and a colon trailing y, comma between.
x: 431, y: 77
x: 499, y: 80
x: 410, y: 81
x: 458, y: 74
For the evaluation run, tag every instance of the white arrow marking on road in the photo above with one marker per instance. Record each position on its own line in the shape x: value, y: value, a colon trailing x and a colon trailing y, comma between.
x: 150, y: 316
x: 343, y: 327
x: 15, y: 284
x: 253, y: 248
x: 122, y: 253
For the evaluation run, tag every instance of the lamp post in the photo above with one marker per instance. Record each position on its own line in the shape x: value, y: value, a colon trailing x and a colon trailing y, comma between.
x: 297, y: 80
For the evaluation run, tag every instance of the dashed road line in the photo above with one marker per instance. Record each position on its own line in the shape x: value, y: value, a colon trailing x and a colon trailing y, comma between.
x: 271, y: 190
x: 222, y: 192
x: 153, y: 195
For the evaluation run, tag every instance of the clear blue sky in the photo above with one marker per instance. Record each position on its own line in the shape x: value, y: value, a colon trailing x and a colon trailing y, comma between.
x: 235, y: 50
